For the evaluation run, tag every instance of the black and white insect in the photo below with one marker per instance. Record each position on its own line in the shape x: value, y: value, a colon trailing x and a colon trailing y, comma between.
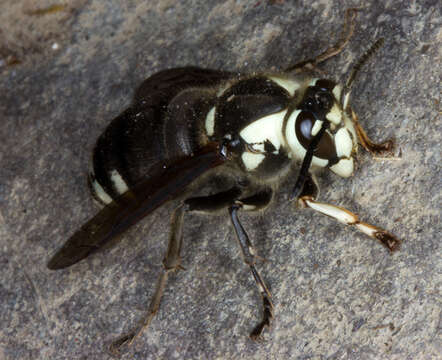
x: 188, y: 127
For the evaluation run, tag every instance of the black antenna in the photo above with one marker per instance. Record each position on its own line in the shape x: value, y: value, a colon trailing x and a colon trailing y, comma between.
x: 361, y: 62
x: 302, y: 176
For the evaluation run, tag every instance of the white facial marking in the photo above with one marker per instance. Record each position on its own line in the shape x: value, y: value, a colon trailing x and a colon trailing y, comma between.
x: 337, y: 90
x: 343, y: 168
x: 210, y: 122
x: 343, y: 143
x: 316, y: 127
x: 251, y: 161
x: 118, y: 182
x: 319, y: 162
x: 267, y: 128
x: 100, y: 193
x: 334, y: 115
x: 296, y: 149
x: 290, y: 85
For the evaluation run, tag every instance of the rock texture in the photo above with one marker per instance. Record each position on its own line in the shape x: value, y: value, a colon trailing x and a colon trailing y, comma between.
x: 67, y: 69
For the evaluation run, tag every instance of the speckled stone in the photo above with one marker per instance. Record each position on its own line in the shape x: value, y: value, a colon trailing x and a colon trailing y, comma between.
x: 66, y: 72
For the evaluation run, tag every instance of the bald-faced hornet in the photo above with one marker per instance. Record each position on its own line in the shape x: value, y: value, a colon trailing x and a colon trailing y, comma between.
x: 188, y: 126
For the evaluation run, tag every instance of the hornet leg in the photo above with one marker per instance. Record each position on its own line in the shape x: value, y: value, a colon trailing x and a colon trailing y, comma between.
x: 172, y: 259
x: 171, y: 263
x: 369, y: 145
x: 250, y: 258
x: 347, y: 32
x: 307, y: 199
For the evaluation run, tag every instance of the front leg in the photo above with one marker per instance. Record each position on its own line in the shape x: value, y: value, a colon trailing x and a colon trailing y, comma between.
x: 307, y: 199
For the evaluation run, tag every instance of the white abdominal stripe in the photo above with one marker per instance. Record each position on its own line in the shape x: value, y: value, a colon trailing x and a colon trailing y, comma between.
x: 210, y: 122
x: 118, y: 184
x: 99, y: 192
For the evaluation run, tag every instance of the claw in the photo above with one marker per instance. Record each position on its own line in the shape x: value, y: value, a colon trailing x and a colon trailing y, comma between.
x: 391, y: 242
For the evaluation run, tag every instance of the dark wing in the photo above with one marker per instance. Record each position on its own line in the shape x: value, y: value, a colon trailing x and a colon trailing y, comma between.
x: 166, y: 84
x: 135, y: 204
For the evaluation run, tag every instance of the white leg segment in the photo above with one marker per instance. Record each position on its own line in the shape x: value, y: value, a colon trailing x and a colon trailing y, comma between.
x: 347, y: 217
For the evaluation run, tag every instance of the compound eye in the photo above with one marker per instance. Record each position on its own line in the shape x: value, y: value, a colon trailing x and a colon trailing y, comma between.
x: 303, y: 127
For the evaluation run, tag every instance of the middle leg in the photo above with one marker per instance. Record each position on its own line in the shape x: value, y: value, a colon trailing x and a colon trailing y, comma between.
x: 249, y: 256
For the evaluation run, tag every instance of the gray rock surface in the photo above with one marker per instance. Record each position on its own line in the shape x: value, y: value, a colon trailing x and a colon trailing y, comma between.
x: 66, y: 71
